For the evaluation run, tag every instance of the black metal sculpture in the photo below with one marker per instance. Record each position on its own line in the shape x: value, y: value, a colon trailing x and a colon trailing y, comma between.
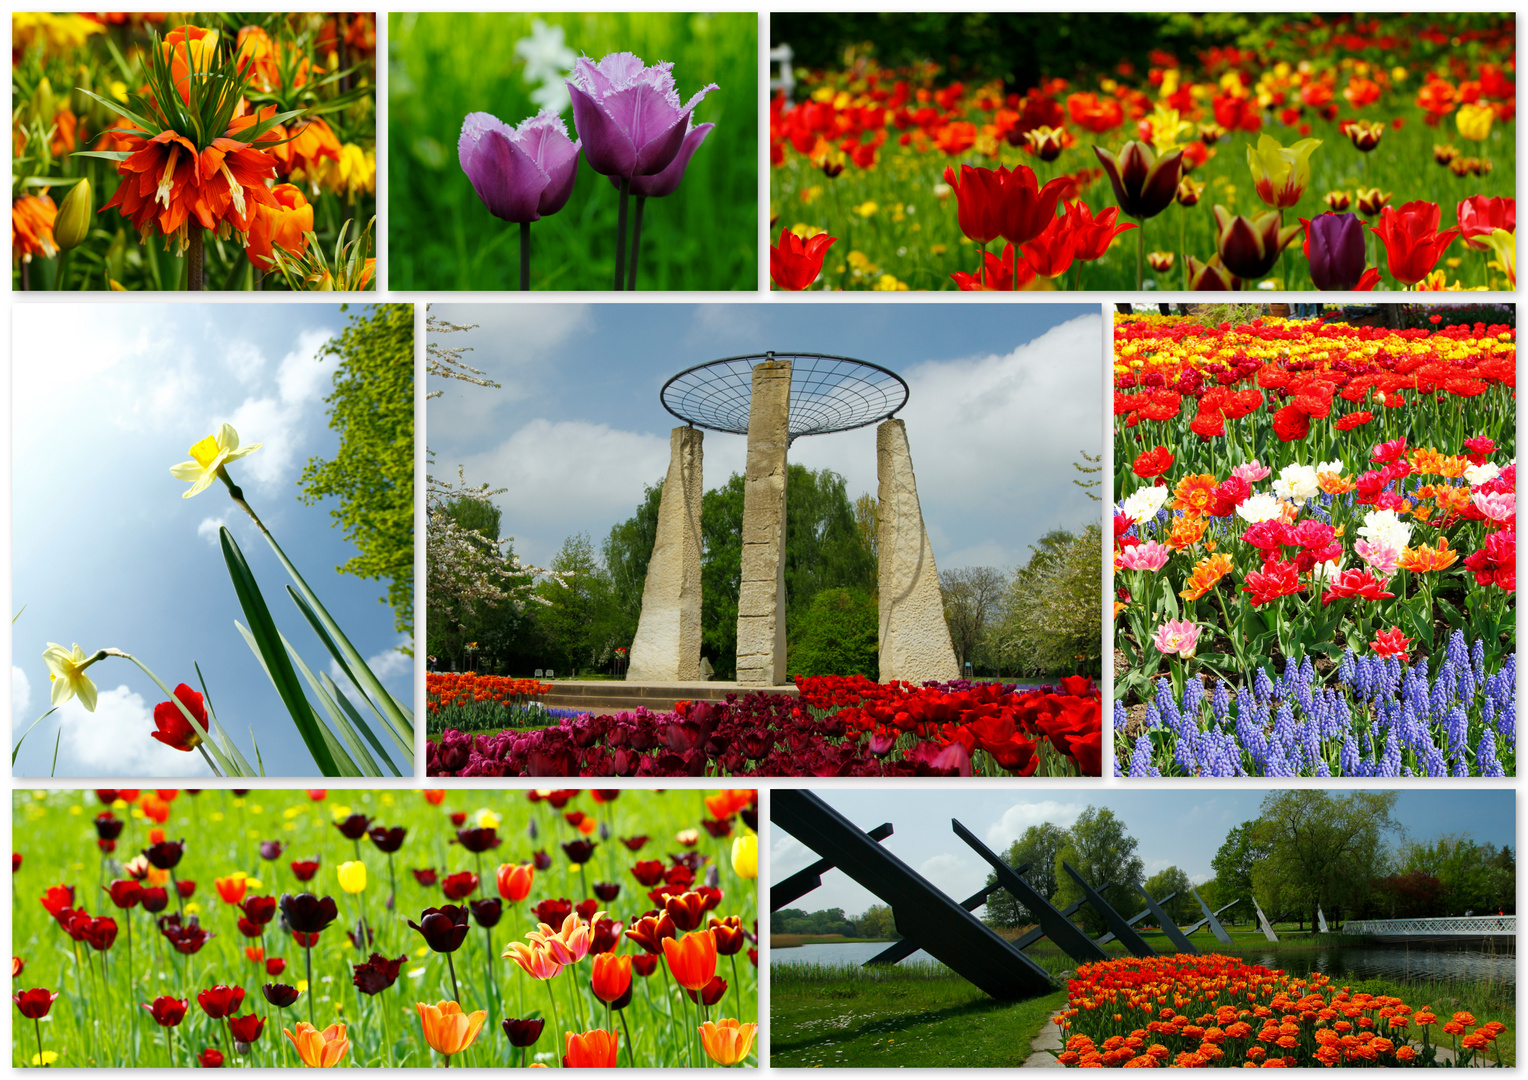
x: 802, y: 882
x: 1170, y: 928
x: 1122, y: 930
x: 1137, y: 917
x: 903, y: 949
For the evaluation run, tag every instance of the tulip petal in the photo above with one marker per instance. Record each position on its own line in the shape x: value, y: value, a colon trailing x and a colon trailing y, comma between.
x: 667, y: 181
x: 506, y: 178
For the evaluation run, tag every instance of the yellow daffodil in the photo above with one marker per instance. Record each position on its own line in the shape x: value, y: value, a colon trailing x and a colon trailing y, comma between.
x: 208, y: 457
x: 1280, y: 174
x: 66, y: 671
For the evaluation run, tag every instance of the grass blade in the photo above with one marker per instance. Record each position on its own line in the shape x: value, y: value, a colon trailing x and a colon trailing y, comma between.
x: 53, y: 771
x: 266, y: 642
x: 17, y: 748
x: 358, y: 753
x: 356, y: 720
x: 343, y: 764
x: 229, y: 746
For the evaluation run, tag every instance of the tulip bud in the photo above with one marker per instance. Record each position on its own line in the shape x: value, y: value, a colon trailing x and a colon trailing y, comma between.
x: 1337, y: 201
x: 1045, y: 142
x: 1160, y: 261
x: 1211, y: 276
x: 75, y: 213
x: 531, y: 831
x: 1211, y: 133
x: 1363, y: 134
x: 325, y: 283
x: 43, y: 106
x: 1189, y: 191
x: 1443, y: 153
x: 1372, y: 200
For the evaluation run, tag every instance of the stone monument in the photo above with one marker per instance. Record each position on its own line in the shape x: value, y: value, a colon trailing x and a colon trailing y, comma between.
x: 761, y: 595
x: 667, y: 645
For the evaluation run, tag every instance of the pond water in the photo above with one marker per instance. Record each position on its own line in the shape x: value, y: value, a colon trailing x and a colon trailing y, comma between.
x: 1441, y: 963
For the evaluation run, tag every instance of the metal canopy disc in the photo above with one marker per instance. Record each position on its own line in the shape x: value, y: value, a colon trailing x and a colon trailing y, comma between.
x: 828, y: 393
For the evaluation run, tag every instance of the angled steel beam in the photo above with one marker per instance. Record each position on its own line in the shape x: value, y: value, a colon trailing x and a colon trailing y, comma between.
x: 1057, y: 926
x: 945, y: 930
x: 1177, y: 937
x: 1137, y: 917
x: 1116, y: 922
x: 1039, y: 932
x: 1210, y: 919
x: 1262, y: 921
x: 804, y: 881
x: 901, y: 950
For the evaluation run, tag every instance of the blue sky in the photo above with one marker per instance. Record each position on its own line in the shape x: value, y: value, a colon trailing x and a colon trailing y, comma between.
x: 1179, y: 828
x: 106, y: 552
x: 1003, y: 397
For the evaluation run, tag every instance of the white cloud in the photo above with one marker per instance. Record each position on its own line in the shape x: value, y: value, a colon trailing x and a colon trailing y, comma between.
x: 115, y: 741
x: 304, y: 375
x: 385, y: 665
x: 953, y: 875
x: 1021, y: 816
x: 21, y: 697
x: 244, y: 360
x: 208, y: 529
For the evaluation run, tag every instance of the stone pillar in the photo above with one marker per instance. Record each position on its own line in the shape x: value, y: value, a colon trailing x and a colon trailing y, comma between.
x: 761, y: 599
x: 914, y: 638
x: 667, y: 645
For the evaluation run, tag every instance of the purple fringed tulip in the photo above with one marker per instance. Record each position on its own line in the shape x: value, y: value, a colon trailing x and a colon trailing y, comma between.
x: 628, y: 115
x: 667, y: 182
x: 521, y: 173
x: 1335, y: 247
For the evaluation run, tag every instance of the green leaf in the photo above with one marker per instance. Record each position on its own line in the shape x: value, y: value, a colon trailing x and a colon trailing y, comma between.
x: 365, y: 763
x: 359, y: 722
x: 398, y: 736
x: 266, y: 642
x: 56, y: 740
x: 122, y: 111
x: 17, y: 749
x: 344, y: 766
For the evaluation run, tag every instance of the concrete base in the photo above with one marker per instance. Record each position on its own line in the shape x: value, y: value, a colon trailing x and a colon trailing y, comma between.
x: 914, y: 637
x: 667, y: 643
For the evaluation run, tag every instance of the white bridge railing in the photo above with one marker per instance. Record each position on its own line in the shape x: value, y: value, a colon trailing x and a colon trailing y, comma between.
x: 1462, y: 925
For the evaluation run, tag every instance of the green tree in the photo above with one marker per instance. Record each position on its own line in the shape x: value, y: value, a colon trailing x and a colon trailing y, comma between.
x: 572, y: 597
x: 1166, y: 882
x: 972, y: 596
x: 721, y: 574
x: 372, y: 408
x: 877, y: 922
x: 1054, y: 606
x: 1037, y: 848
x: 837, y: 635
x: 1324, y: 850
x: 1101, y: 851
x: 1233, y: 864
x: 627, y: 551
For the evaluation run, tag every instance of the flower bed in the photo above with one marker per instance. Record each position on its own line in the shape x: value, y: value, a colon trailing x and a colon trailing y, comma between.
x: 1189, y: 1011
x: 1339, y: 500
x: 848, y: 727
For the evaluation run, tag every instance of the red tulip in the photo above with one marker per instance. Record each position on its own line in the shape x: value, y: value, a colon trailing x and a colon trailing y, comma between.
x: 167, y: 1011
x: 1479, y: 217
x: 795, y: 263
x: 1050, y: 254
x: 221, y: 1001
x: 1092, y: 236
x: 124, y: 893
x: 174, y: 730
x: 34, y: 1004
x: 1412, y: 240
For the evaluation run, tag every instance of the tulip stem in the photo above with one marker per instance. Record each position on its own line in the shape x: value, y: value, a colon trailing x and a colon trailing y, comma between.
x: 636, y: 243
x: 631, y: 1061
x: 456, y: 993
x: 556, y: 1020
x: 194, y: 255
x: 210, y: 765
x: 737, y: 988
x: 525, y: 256
x: 1140, y: 255
x: 307, y: 954
x: 620, y: 235
x: 60, y: 270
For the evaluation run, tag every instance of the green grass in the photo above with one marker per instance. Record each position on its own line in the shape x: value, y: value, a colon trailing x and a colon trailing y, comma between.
x: 444, y: 66
x: 910, y: 1015
x: 92, y: 1025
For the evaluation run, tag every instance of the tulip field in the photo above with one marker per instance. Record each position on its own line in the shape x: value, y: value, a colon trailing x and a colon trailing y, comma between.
x: 838, y: 726
x: 193, y: 151
x: 399, y: 928
x: 1374, y: 153
x: 1230, y: 1014
x: 1315, y: 547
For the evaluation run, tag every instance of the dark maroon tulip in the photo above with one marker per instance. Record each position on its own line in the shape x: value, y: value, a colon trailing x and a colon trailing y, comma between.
x: 1249, y: 247
x: 167, y: 1011
x: 478, y: 841
x: 1144, y: 185
x: 185, y: 889
x: 542, y: 860
x: 644, y: 964
x: 634, y: 843
x: 750, y: 816
x: 1335, y: 247
x: 522, y: 1033
x: 108, y: 827
x: 271, y: 850
x: 361, y: 936
x: 187, y: 937
x: 125, y: 892
x: 308, y: 914
x: 579, y: 851
x: 238, y: 793
x: 607, y: 890
x: 426, y: 876
x: 444, y: 928
x: 100, y: 933
x: 586, y: 908
x: 34, y: 1004
x: 259, y: 909
x: 377, y: 974
x: 487, y: 912
x: 388, y: 840
x: 354, y: 827
x: 166, y: 854
x: 649, y: 932
x: 280, y: 995
x: 250, y: 929
x: 711, y: 993
x: 717, y: 829
x: 246, y: 1029
x: 648, y: 872
x: 606, y: 936
x: 304, y: 869
x: 553, y: 912
x: 221, y: 1001
x: 154, y: 899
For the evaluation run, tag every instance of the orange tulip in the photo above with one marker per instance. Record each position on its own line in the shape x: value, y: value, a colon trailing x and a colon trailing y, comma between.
x: 319, y: 1049
x: 726, y: 1041
x: 535, y: 960
x: 612, y: 976
x: 446, y: 1028
x: 592, y: 1050
x: 232, y: 889
x: 515, y: 880
x: 435, y: 796
x: 692, y: 959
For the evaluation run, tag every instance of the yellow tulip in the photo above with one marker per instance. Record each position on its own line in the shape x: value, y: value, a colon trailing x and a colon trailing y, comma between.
x: 1167, y: 129
x: 1474, y: 122
x: 352, y: 876
x: 1504, y: 244
x: 1280, y: 174
x: 745, y: 856
x: 726, y: 1041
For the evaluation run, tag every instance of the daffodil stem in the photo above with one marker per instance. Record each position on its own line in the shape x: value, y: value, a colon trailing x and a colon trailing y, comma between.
x: 620, y: 235
x: 194, y: 259
x: 525, y: 256
x: 636, y: 243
